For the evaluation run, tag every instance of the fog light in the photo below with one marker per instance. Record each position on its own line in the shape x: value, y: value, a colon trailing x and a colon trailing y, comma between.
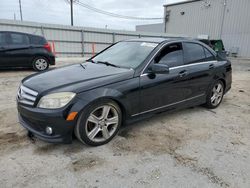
x: 49, y: 130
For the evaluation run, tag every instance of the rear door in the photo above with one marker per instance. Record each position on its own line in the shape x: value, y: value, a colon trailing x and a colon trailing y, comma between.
x: 3, y: 48
x: 200, y: 63
x: 17, y: 52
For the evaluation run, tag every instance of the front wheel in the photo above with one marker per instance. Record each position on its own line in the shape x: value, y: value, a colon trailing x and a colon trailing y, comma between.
x: 99, y: 123
x: 40, y: 64
x: 215, y: 95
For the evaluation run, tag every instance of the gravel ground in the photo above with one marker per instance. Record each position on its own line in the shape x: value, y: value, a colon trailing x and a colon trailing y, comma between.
x: 193, y: 147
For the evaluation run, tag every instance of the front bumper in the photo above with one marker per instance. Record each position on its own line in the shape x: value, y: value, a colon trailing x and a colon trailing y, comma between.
x: 36, y: 120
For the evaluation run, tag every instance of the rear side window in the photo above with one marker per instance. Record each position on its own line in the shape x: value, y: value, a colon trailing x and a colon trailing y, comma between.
x: 209, y: 55
x: 37, y: 40
x: 19, y: 39
x: 193, y: 53
x: 2, y: 39
x: 171, y: 55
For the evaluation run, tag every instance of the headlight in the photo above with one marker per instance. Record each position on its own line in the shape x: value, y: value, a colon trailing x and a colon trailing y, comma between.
x: 55, y: 100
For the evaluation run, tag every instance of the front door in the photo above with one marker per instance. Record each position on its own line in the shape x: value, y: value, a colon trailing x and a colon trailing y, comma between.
x: 158, y: 91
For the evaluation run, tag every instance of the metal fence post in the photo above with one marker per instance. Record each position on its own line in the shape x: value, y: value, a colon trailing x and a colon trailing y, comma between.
x: 82, y: 34
x: 113, y: 35
x: 42, y: 30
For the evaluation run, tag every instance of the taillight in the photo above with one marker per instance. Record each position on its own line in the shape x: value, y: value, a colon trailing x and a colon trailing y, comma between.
x: 47, y: 47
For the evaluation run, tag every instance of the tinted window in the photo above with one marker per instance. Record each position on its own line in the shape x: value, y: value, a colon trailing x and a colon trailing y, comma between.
x: 172, y: 55
x: 19, y: 39
x: 36, y: 40
x: 194, y: 53
x: 209, y: 55
x: 2, y: 39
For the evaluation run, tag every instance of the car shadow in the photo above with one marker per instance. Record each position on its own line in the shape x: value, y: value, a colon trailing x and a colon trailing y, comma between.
x: 16, y: 69
x: 43, y: 148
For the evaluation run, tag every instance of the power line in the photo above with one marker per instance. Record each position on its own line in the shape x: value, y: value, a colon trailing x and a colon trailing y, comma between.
x: 113, y: 14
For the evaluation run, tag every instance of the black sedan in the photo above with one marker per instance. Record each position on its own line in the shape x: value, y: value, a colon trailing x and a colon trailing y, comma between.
x: 125, y: 82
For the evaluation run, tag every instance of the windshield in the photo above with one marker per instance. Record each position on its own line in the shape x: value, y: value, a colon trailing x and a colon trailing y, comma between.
x: 128, y: 54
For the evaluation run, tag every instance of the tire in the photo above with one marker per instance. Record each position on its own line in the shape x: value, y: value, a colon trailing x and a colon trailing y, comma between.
x: 40, y: 64
x: 99, y: 123
x: 215, y: 95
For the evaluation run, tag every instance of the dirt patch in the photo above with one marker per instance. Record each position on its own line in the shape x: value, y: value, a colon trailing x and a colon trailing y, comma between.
x: 43, y: 148
x: 142, y: 139
x: 8, y: 118
x: 46, y: 149
x: 75, y: 147
x: 86, y: 162
x: 12, y: 140
x: 192, y: 163
x: 164, y: 140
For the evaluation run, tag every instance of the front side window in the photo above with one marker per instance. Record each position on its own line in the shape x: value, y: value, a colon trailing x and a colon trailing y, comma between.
x: 19, y: 39
x: 171, y: 55
x: 193, y: 53
x: 129, y: 54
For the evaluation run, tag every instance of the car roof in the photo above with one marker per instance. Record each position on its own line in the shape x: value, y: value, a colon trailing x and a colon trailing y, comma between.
x: 20, y: 33
x: 161, y: 39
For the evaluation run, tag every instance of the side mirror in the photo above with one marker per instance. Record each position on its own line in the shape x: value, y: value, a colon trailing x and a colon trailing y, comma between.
x: 159, y: 69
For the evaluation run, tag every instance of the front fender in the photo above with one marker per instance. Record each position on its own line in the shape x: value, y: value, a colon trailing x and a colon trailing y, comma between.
x: 86, y: 98
x: 125, y: 93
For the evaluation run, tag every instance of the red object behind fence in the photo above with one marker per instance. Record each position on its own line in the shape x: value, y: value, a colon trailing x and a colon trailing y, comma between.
x: 93, y: 49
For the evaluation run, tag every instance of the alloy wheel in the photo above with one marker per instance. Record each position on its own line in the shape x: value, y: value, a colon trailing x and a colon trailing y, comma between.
x: 102, y: 123
x: 217, y: 94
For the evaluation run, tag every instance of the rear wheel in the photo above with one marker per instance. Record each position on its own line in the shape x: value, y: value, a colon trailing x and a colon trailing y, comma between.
x: 215, y: 95
x: 40, y: 64
x: 99, y: 123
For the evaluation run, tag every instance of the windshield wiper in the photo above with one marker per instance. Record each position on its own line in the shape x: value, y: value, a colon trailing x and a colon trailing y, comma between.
x: 107, y: 63
x: 90, y: 60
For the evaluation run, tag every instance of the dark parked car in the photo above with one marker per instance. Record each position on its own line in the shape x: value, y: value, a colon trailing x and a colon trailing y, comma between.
x: 127, y: 81
x: 25, y: 50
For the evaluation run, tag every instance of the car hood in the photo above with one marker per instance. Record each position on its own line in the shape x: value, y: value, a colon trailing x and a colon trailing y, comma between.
x: 77, y: 78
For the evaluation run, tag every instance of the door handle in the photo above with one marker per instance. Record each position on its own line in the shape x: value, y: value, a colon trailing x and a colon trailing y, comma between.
x: 211, y: 66
x: 183, y: 73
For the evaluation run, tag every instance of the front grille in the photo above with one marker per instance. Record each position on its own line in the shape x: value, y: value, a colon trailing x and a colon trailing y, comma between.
x: 26, y: 96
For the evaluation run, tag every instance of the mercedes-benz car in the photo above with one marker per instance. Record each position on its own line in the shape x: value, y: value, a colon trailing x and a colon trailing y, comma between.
x: 127, y: 81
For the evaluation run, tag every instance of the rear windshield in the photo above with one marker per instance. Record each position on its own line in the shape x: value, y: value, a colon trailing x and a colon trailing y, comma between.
x: 37, y: 40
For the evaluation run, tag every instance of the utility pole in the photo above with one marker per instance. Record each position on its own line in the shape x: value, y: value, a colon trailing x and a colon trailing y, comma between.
x: 20, y: 7
x: 71, y: 8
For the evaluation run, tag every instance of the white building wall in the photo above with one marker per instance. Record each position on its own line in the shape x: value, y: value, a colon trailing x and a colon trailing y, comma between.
x: 226, y: 19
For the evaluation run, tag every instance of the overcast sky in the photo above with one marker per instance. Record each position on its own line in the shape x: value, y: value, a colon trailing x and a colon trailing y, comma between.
x: 58, y: 12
